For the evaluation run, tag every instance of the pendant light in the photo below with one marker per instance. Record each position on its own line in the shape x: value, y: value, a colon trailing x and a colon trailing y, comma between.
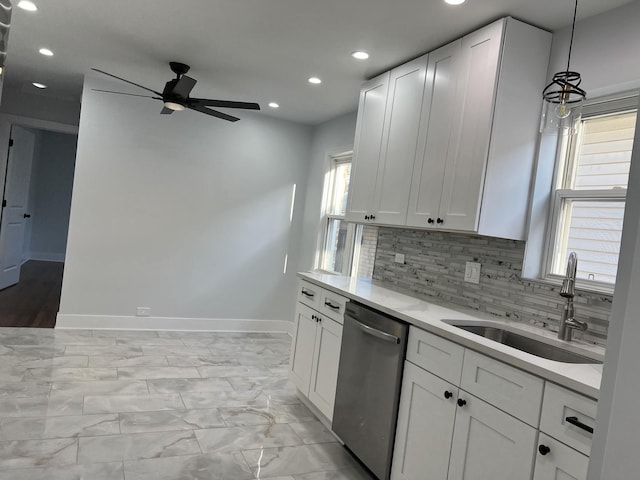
x: 563, y: 94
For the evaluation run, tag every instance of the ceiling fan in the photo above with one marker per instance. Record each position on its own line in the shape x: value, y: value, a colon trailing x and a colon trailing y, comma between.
x: 175, y: 95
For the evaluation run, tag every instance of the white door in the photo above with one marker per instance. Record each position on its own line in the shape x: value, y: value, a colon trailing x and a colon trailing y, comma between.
x: 425, y: 426
x: 366, y: 148
x: 554, y: 460
x: 16, y: 196
x: 435, y: 128
x: 399, y: 141
x: 304, y: 340
x: 489, y: 444
x: 469, y: 147
x: 324, y: 374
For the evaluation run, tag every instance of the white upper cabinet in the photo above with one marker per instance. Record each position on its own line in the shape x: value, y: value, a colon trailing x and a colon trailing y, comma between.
x: 399, y: 142
x: 366, y: 148
x: 435, y: 129
x: 454, y: 145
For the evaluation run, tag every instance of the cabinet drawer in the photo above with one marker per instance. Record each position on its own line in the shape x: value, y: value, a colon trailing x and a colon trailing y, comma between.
x: 309, y: 294
x: 503, y: 386
x: 435, y: 354
x: 332, y: 305
x: 560, y: 404
x: 560, y: 461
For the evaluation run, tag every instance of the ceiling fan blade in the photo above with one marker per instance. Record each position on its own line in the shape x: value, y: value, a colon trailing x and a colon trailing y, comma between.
x: 184, y: 86
x: 123, y: 93
x: 205, y: 102
x: 166, y: 111
x: 126, y: 81
x: 213, y: 113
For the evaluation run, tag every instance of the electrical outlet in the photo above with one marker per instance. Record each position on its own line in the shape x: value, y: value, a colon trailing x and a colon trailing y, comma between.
x: 399, y: 258
x: 472, y: 272
x: 143, y: 312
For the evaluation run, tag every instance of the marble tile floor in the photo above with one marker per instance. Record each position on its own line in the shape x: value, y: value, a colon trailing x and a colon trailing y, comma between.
x: 122, y: 405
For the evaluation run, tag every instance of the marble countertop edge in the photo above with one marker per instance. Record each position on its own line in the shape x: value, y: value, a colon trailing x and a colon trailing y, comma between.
x: 429, y: 316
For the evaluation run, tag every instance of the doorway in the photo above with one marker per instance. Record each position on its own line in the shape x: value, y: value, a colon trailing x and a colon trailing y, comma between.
x: 34, y: 223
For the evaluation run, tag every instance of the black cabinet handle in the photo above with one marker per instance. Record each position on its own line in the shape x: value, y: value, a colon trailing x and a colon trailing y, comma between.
x: 367, y: 217
x: 439, y: 220
x: 331, y: 305
x: 461, y: 402
x: 313, y: 317
x: 579, y: 424
x: 430, y: 221
x: 308, y: 294
x: 26, y: 215
x: 543, y: 449
x: 448, y: 394
x: 372, y: 217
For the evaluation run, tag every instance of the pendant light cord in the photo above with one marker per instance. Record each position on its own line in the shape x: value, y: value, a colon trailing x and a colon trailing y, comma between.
x: 573, y: 28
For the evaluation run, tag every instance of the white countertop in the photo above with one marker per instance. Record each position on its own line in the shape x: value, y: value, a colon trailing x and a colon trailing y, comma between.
x: 429, y: 316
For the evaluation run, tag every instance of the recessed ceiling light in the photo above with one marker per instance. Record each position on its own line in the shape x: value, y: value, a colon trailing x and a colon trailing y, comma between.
x: 39, y: 85
x: 274, y: 105
x: 27, y: 5
x: 360, y: 55
x: 46, y: 52
x: 454, y: 2
x: 315, y: 80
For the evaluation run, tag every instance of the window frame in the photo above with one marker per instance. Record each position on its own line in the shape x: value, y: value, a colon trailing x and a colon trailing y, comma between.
x: 334, y: 160
x: 565, y: 159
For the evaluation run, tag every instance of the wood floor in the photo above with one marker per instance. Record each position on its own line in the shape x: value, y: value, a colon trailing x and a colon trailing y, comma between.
x: 35, y: 300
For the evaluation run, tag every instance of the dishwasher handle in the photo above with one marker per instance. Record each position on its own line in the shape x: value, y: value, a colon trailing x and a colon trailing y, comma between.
x: 377, y: 333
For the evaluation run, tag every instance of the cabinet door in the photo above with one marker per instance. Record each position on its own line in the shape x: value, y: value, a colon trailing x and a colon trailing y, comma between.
x: 425, y: 426
x: 399, y: 141
x: 560, y: 463
x: 435, y: 128
x: 324, y: 374
x: 490, y: 444
x: 469, y: 142
x: 304, y: 339
x: 366, y: 148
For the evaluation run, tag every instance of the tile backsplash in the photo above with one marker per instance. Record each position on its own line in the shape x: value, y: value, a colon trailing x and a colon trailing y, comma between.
x: 435, y: 264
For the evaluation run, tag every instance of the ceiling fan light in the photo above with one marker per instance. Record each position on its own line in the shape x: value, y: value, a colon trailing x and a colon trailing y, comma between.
x: 176, y: 107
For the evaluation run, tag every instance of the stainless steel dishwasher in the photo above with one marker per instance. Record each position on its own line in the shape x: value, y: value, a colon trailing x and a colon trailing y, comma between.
x: 368, y: 390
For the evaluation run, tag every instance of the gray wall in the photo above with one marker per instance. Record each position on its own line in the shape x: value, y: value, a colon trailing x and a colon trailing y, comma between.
x: 50, y: 195
x: 186, y: 214
x: 331, y: 137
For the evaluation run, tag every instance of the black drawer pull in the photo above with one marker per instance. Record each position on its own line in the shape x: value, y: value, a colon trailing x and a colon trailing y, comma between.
x: 461, y: 402
x: 308, y: 294
x: 579, y: 424
x: 448, y: 394
x: 543, y: 449
x: 331, y: 305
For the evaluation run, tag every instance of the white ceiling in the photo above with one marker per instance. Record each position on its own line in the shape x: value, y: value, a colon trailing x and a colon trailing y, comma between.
x: 252, y: 50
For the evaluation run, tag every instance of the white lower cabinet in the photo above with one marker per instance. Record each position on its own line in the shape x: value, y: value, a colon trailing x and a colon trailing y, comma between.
x: 315, y: 353
x: 556, y: 461
x: 489, y: 444
x: 483, y: 422
x: 425, y: 426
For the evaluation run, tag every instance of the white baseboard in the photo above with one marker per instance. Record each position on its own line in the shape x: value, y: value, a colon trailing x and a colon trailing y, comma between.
x: 112, y: 322
x: 47, y: 257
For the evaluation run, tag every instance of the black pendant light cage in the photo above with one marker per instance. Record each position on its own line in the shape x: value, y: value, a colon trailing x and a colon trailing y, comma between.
x: 565, y: 86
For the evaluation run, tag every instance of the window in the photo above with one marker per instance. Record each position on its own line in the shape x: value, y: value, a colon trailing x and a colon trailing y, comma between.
x: 588, y: 206
x: 346, y: 248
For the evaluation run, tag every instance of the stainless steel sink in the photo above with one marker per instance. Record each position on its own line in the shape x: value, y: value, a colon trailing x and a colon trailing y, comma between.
x: 526, y: 344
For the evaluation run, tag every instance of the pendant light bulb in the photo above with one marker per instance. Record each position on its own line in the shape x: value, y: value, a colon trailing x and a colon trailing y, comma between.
x: 562, y: 110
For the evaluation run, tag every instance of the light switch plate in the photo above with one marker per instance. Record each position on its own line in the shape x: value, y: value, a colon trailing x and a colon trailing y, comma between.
x: 472, y: 272
x: 399, y: 258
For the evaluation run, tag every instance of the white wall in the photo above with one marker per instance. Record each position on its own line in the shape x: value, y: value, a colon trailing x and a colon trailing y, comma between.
x: 330, y: 137
x: 50, y: 196
x: 605, y: 51
x: 186, y: 214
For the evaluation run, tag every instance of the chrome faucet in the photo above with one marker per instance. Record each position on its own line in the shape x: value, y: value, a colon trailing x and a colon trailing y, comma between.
x: 568, y: 291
